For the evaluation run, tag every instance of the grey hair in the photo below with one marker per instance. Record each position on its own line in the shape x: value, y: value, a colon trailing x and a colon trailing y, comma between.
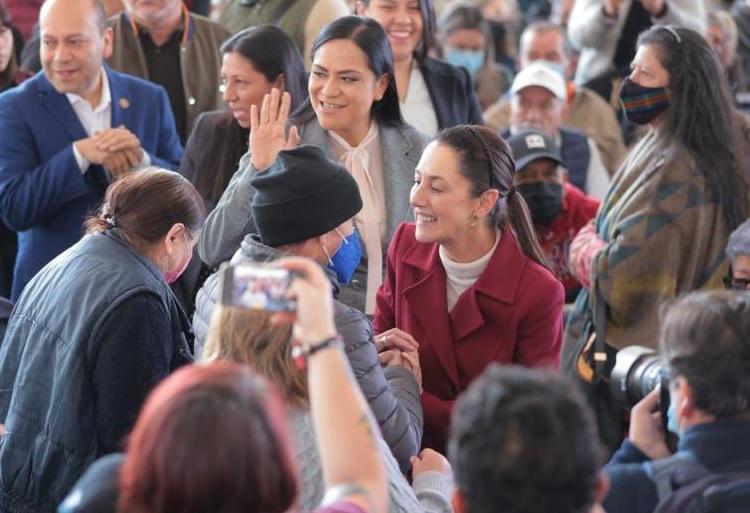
x: 739, y: 242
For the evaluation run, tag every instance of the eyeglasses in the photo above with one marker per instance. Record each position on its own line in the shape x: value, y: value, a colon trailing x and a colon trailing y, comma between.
x: 732, y: 283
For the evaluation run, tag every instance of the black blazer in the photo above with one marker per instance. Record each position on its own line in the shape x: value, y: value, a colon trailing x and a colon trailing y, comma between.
x: 214, y: 147
x: 452, y: 94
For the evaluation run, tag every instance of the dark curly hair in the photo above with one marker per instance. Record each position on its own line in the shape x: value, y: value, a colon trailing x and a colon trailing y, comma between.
x: 705, y: 338
x: 524, y: 441
x: 708, y: 129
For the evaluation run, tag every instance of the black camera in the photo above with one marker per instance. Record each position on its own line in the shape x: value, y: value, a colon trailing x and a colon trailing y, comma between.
x: 636, y: 373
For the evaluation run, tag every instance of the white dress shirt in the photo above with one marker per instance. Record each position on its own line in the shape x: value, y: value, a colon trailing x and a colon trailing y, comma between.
x: 96, y: 119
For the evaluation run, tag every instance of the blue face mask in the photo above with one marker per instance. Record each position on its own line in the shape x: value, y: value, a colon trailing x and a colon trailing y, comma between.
x: 345, y: 261
x: 673, y: 425
x: 472, y: 60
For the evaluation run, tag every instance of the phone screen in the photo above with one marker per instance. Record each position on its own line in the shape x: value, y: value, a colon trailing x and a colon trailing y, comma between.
x: 257, y: 288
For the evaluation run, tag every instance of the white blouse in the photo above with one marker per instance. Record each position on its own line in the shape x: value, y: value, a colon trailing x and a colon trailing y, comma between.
x: 417, y: 109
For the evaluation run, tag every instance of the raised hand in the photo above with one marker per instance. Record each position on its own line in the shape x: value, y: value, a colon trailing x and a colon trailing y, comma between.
x: 268, y: 127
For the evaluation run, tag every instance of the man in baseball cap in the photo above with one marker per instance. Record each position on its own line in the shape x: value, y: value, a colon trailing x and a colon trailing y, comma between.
x: 558, y: 208
x: 538, y: 101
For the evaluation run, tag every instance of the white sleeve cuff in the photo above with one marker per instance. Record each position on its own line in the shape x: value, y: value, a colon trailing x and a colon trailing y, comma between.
x: 145, y: 160
x: 83, y: 164
x: 434, y: 491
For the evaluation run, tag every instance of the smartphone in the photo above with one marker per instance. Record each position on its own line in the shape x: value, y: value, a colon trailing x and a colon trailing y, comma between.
x: 257, y: 287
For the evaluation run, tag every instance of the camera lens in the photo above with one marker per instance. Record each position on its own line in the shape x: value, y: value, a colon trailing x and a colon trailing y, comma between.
x: 637, y: 372
x: 644, y: 377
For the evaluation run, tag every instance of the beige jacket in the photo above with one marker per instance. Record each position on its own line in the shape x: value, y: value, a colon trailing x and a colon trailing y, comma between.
x: 587, y: 112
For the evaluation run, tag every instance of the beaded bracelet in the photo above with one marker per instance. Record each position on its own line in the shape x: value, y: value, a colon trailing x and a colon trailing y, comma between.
x: 301, y: 354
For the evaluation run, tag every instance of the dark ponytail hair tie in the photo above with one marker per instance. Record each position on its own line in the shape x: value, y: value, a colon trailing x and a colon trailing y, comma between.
x: 110, y: 220
x: 510, y: 192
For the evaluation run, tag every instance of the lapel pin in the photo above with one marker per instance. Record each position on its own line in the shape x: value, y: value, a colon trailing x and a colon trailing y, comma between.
x: 124, y: 103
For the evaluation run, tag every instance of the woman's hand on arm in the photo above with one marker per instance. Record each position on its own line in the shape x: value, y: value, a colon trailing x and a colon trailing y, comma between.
x: 268, y: 129
x: 395, y: 338
x: 408, y: 360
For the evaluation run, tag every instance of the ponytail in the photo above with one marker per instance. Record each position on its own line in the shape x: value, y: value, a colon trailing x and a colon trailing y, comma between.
x: 487, y: 162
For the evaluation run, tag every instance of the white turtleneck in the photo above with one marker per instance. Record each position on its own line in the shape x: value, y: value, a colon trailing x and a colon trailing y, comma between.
x: 461, y: 276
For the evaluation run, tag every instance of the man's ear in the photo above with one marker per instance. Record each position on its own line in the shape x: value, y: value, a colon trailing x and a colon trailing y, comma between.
x: 458, y: 502
x: 107, y: 43
x: 564, y: 173
x: 685, y: 393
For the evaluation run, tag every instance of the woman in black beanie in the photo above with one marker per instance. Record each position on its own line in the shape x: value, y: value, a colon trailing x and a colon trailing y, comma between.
x: 302, y: 206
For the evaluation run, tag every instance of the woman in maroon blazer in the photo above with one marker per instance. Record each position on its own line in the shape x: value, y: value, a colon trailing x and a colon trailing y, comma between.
x: 466, y: 284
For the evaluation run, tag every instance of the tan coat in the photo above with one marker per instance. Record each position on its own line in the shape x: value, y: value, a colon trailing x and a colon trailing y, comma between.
x: 200, y: 61
x: 587, y: 112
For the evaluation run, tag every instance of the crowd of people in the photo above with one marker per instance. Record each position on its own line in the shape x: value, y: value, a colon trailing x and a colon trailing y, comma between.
x: 508, y: 244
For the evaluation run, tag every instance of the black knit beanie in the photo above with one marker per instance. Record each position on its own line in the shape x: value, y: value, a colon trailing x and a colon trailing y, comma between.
x: 302, y: 195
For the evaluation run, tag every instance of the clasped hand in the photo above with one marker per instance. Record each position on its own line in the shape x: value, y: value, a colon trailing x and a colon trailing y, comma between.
x: 118, y: 150
x: 396, y: 347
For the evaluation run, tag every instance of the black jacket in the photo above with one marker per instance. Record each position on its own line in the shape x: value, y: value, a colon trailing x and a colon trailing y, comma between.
x: 93, y: 332
x: 452, y: 94
x: 720, y: 446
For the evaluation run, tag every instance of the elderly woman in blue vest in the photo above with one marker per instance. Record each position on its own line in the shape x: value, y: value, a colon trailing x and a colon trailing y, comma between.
x: 433, y: 94
x: 353, y: 115
x: 91, y: 335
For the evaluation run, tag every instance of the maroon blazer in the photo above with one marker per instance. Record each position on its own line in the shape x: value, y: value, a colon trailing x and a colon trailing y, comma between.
x: 512, y: 314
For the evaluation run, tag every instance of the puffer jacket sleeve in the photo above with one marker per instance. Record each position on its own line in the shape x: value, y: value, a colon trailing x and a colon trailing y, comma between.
x: 204, y: 307
x: 392, y: 393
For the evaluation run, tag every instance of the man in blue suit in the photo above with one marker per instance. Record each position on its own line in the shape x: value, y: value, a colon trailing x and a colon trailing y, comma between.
x: 69, y: 131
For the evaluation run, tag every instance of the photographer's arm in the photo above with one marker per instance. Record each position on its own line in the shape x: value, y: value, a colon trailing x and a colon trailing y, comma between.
x: 351, y: 462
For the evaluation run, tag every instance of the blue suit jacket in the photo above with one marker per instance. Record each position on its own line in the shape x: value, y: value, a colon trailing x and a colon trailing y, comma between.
x: 43, y: 194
